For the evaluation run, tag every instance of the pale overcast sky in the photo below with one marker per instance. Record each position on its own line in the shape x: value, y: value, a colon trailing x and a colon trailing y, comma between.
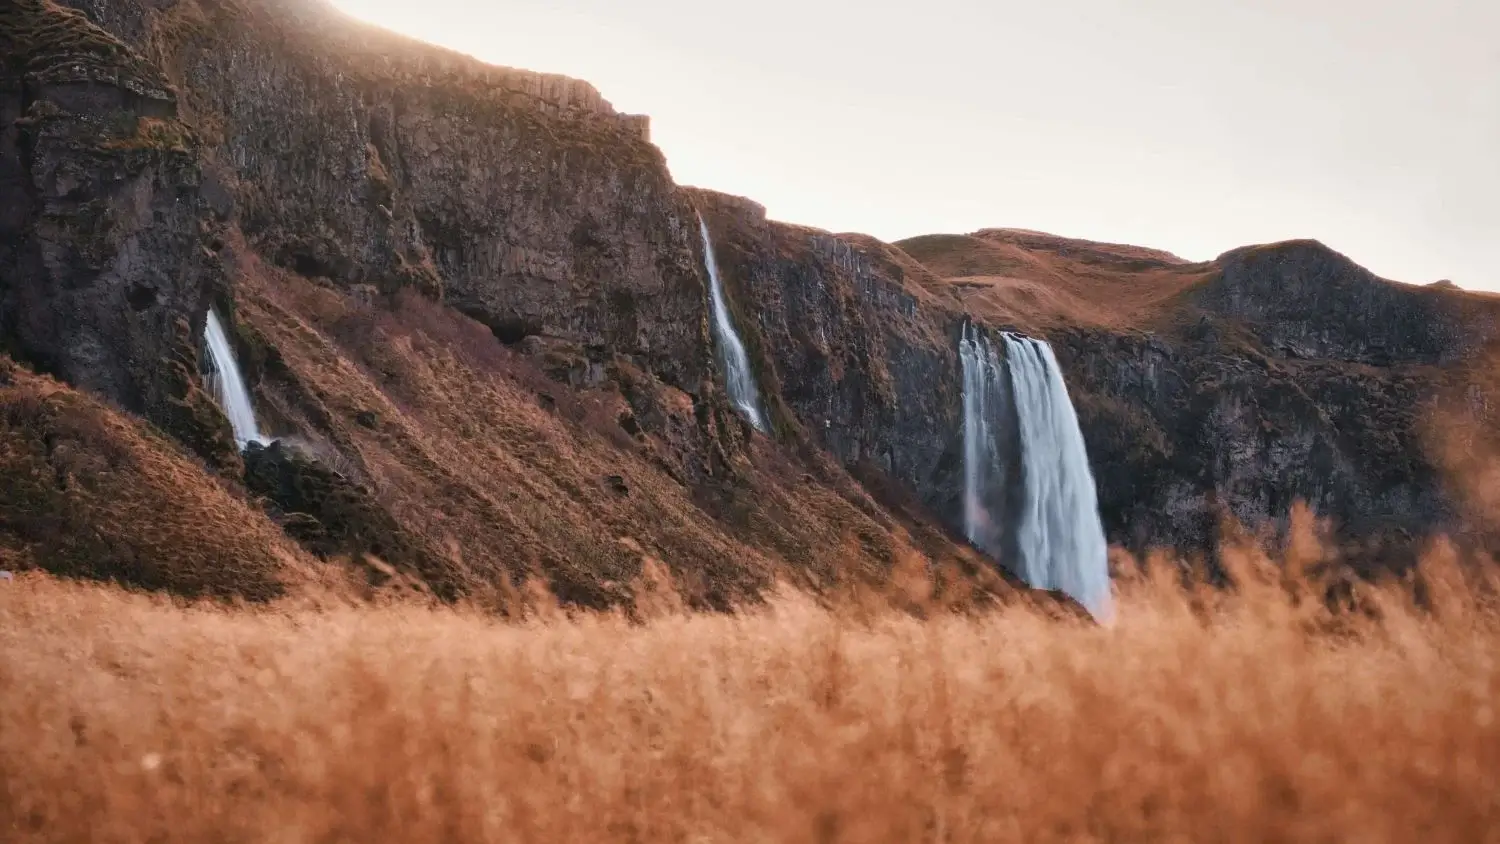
x: 1189, y: 125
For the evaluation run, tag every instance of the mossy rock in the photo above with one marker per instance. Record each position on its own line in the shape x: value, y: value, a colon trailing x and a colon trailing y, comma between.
x: 190, y: 415
x: 322, y: 509
x: 52, y: 43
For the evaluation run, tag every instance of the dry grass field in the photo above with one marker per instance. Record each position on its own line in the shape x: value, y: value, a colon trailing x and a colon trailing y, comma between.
x: 1255, y: 714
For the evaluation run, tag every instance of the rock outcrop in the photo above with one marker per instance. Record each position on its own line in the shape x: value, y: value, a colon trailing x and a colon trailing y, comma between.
x: 1303, y: 301
x: 322, y: 509
x: 850, y: 352
x: 1185, y: 432
x: 349, y: 153
x: 107, y: 240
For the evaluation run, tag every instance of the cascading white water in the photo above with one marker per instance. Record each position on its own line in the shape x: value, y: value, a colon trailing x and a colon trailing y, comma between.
x: 229, y: 385
x: 1050, y: 519
x: 739, y: 381
x: 1059, y: 535
x: 984, y: 463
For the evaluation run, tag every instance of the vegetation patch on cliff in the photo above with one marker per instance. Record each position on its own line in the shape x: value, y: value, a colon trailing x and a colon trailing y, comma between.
x: 498, y: 471
x: 150, y: 133
x: 54, y: 44
x: 89, y: 492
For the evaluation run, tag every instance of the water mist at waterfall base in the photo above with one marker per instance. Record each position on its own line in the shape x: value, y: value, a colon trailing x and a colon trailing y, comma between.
x: 229, y: 385
x: 739, y: 381
x: 1029, y: 494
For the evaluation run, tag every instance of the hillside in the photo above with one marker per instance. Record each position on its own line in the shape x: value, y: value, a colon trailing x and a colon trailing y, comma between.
x: 504, y: 369
x: 1040, y: 280
x: 1234, y: 387
x: 88, y: 492
x: 472, y: 304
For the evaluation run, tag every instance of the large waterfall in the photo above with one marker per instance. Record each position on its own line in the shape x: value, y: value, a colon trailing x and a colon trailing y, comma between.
x: 986, y: 399
x: 739, y: 381
x: 229, y: 385
x: 1028, y: 492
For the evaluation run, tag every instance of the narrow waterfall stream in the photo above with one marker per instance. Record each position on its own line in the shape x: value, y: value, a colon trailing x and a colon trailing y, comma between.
x: 739, y: 381
x: 229, y: 384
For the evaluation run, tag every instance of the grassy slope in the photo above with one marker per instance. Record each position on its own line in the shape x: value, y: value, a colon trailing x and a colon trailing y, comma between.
x: 1035, y: 281
x: 89, y: 491
x: 496, y: 482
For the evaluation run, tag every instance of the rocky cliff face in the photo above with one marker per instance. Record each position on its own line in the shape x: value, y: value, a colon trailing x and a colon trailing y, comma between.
x: 1303, y: 301
x: 347, y: 153
x: 1288, y: 373
x: 359, y: 204
x: 1231, y: 390
x: 107, y: 241
x: 850, y: 352
x: 351, y: 155
x: 1183, y: 433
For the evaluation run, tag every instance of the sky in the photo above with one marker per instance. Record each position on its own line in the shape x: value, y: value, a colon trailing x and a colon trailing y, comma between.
x: 1189, y: 125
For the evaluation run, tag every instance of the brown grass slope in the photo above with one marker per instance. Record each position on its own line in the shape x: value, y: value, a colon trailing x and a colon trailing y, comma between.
x: 90, y: 492
x: 1040, y: 280
x: 1036, y: 280
x: 499, y: 472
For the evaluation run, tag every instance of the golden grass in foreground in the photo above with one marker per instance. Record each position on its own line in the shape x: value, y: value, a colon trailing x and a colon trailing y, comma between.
x: 1195, y: 718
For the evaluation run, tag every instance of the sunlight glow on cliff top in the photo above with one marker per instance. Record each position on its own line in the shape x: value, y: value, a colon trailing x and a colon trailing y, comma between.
x: 1196, y: 126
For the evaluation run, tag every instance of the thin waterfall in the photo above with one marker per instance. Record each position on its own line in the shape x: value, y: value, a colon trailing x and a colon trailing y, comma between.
x: 229, y: 385
x: 739, y: 381
x: 1028, y: 491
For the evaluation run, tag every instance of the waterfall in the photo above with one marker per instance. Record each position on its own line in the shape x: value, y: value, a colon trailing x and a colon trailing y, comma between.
x: 1060, y: 536
x: 739, y: 382
x: 229, y: 385
x: 985, y: 399
x: 1028, y: 491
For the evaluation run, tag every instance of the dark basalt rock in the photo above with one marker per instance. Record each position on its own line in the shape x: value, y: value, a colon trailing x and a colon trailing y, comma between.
x: 1183, y: 434
x: 105, y: 258
x: 846, y: 352
x: 320, y: 508
x: 1302, y: 300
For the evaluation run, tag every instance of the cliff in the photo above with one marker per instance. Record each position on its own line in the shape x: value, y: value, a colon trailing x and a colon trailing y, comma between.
x: 854, y: 354
x: 474, y: 293
x: 473, y: 302
x: 107, y: 241
x: 1234, y: 388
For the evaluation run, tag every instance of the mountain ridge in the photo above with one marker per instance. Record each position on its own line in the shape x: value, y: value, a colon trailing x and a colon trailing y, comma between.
x: 488, y: 305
